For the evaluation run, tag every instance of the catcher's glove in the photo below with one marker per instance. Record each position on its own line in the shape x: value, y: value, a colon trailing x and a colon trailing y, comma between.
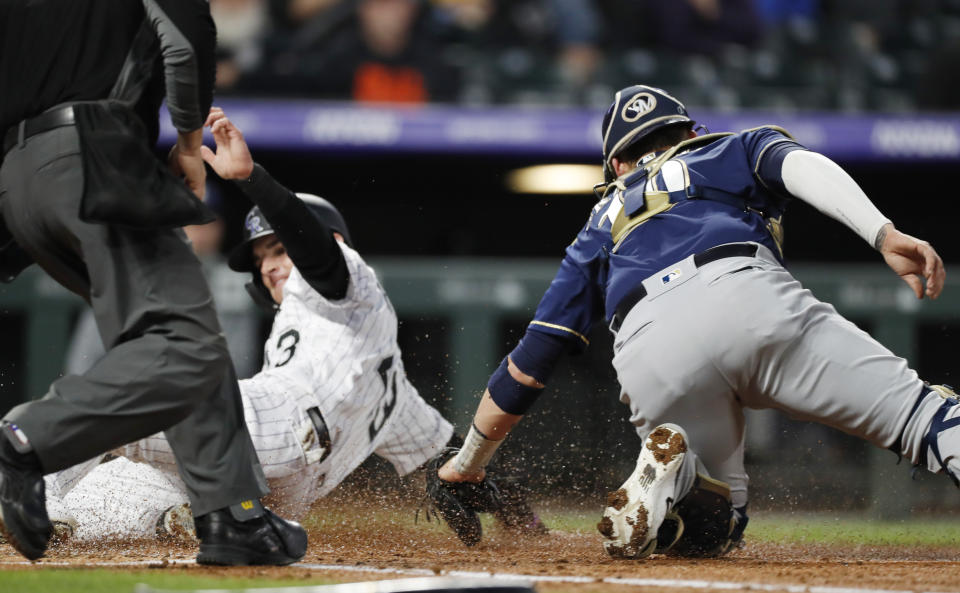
x: 459, y: 502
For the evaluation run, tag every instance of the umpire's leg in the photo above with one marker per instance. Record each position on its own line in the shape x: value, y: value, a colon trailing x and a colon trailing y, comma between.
x: 166, y: 366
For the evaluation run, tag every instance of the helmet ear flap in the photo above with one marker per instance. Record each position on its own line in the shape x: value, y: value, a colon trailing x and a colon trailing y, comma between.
x: 258, y: 292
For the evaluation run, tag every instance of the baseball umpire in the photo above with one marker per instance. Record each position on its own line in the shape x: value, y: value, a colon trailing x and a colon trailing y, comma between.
x: 682, y: 256
x: 83, y: 195
x: 332, y: 390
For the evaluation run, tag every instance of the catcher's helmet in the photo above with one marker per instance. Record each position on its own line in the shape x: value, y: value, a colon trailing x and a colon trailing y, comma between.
x: 256, y: 225
x: 637, y: 111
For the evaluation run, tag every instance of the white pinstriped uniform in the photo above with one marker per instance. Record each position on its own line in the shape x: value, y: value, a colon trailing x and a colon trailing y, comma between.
x: 339, y: 356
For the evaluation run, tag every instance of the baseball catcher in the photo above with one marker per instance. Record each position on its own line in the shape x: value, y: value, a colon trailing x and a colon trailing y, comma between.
x: 683, y: 258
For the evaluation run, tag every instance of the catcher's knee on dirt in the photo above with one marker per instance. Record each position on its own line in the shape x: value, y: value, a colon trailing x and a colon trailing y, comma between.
x: 704, y: 523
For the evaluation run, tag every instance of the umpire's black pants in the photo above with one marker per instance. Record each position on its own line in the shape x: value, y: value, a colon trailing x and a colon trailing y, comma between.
x: 166, y: 366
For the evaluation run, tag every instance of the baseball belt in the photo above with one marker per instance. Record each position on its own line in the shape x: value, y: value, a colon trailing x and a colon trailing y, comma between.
x: 323, y: 433
x: 636, y: 294
x: 46, y: 121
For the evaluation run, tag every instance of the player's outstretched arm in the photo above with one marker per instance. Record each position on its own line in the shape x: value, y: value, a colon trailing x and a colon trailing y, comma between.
x: 308, y: 241
x: 491, y: 424
x: 232, y: 158
x: 912, y: 259
x: 823, y: 184
x: 820, y: 182
x: 457, y: 482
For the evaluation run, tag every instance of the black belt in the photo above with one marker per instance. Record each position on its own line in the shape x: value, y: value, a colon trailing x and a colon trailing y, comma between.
x: 323, y: 433
x: 46, y: 121
x: 704, y: 257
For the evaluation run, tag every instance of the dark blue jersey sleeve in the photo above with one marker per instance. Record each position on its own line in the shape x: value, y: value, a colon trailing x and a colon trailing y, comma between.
x: 765, y: 149
x: 574, y: 300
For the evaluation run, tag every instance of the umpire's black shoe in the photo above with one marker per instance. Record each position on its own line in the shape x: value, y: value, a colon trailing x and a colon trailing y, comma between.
x: 23, y: 502
x: 266, y: 539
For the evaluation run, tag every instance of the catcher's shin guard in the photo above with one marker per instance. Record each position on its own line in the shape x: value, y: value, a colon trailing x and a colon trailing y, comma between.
x: 947, y: 417
x: 636, y: 511
x: 704, y: 523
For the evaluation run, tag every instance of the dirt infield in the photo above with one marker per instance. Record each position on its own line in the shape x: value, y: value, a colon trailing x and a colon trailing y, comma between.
x: 369, y: 536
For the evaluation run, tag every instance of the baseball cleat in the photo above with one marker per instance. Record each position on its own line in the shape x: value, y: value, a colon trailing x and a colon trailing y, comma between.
x: 62, y: 531
x: 638, y: 508
x: 176, y: 523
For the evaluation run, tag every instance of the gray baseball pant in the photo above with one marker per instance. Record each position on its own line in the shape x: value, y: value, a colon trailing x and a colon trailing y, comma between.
x: 742, y: 332
x: 166, y: 366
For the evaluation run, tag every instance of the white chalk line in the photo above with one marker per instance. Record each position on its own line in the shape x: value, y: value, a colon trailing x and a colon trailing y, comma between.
x: 503, y: 576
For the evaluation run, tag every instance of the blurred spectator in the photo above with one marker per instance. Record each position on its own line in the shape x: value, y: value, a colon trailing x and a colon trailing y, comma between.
x: 306, y: 24
x: 578, y: 28
x: 860, y: 24
x: 704, y: 26
x: 775, y: 12
x: 302, y: 11
x: 519, y: 47
x: 846, y: 54
x: 365, y: 50
x: 939, y: 85
x: 469, y: 15
x: 389, y: 66
x: 626, y: 25
x: 241, y: 27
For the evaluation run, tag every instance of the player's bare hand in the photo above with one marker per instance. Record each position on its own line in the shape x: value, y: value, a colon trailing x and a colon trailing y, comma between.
x: 232, y: 159
x: 215, y: 114
x: 915, y: 261
x: 448, y: 474
x: 185, y: 161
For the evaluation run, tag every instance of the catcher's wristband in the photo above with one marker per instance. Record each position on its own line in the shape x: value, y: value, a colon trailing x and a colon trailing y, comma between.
x: 476, y: 452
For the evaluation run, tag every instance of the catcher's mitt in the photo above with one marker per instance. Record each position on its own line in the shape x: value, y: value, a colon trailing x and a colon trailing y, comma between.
x: 459, y: 502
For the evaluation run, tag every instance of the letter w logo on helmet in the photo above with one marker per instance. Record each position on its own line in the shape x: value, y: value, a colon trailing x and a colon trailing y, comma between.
x: 638, y: 106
